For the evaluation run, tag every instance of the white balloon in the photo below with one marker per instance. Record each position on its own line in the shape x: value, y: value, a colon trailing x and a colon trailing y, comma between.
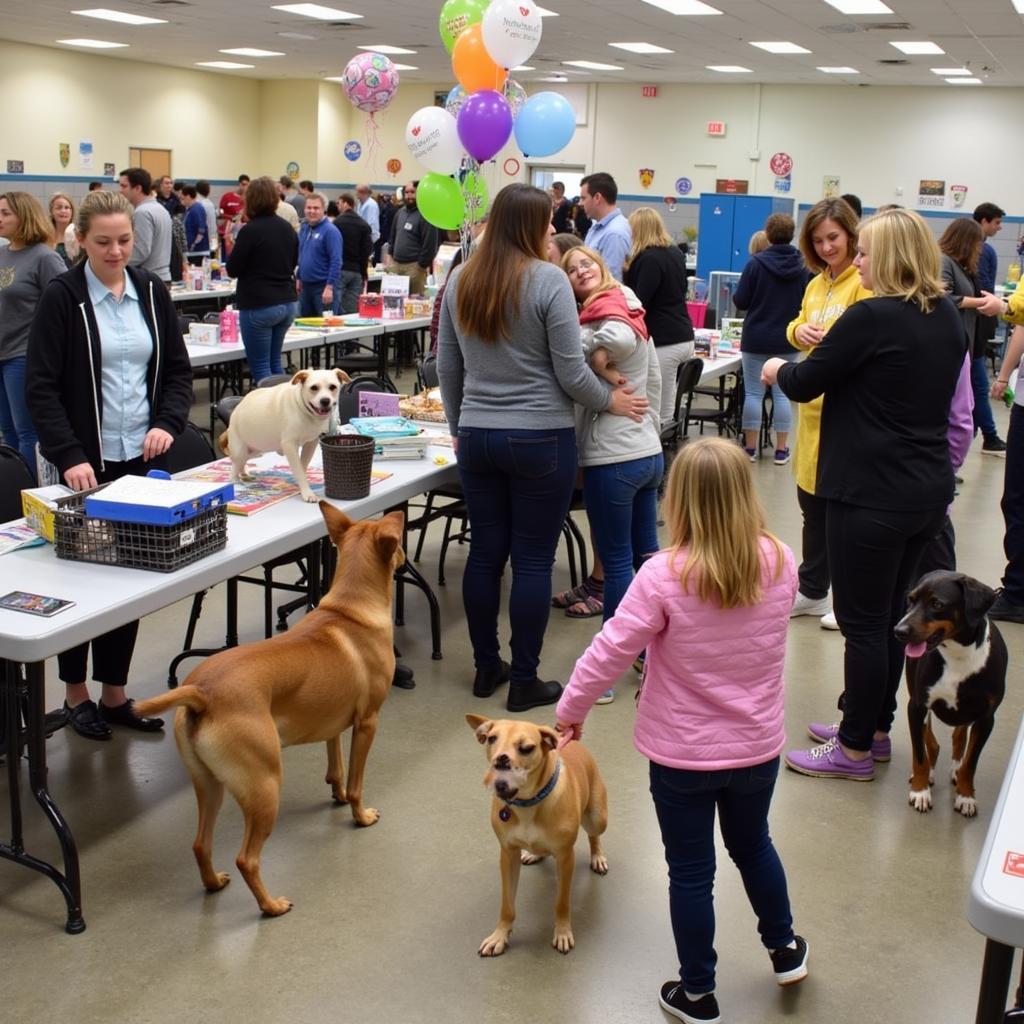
x: 432, y: 136
x: 511, y: 31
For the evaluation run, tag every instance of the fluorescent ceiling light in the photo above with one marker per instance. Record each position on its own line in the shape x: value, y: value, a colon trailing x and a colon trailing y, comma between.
x: 316, y: 11
x: 860, y: 6
x: 641, y: 48
x: 952, y: 71
x: 964, y: 81
x: 553, y: 78
x: 728, y: 69
x: 404, y: 67
x: 592, y: 65
x: 95, y: 44
x: 297, y: 35
x: 918, y: 48
x: 781, y: 47
x: 120, y: 16
x: 545, y: 13
x: 526, y: 67
x: 228, y: 64
x: 690, y: 7
x: 252, y: 51
x: 1018, y: 6
x: 840, y: 71
x: 386, y: 49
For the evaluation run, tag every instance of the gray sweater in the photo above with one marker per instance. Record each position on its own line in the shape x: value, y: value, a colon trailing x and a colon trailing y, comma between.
x: 24, y: 273
x: 152, y: 249
x: 528, y: 382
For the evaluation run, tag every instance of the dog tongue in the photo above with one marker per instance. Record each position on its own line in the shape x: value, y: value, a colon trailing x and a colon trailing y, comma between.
x: 916, y: 650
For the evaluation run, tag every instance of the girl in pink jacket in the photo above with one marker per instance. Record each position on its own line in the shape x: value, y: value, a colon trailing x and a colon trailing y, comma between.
x: 712, y: 612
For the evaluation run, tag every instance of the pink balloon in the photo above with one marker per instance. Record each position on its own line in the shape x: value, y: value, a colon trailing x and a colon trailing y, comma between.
x: 371, y: 81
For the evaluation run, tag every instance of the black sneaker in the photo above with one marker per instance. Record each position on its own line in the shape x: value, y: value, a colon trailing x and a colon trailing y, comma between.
x: 993, y: 444
x: 1006, y: 612
x: 790, y: 963
x: 487, y: 680
x: 703, y: 1010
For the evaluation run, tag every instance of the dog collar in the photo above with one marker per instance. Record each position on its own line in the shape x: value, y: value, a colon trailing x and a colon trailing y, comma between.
x: 546, y: 791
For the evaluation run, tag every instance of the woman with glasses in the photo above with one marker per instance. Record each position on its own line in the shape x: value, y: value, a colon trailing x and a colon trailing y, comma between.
x: 511, y: 365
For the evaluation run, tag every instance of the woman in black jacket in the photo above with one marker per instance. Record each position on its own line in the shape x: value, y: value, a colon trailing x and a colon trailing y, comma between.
x: 888, y: 369
x: 656, y: 271
x: 109, y: 387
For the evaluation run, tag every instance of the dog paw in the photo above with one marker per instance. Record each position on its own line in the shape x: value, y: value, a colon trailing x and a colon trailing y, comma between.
x: 599, y: 864
x: 921, y: 799
x: 275, y: 908
x: 366, y: 816
x: 495, y: 944
x: 563, y: 939
x: 954, y: 767
x: 309, y: 496
x: 966, y: 805
x: 338, y: 796
x: 525, y: 857
x: 219, y: 880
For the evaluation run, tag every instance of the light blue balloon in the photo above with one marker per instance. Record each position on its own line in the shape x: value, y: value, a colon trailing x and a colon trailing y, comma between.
x: 545, y: 124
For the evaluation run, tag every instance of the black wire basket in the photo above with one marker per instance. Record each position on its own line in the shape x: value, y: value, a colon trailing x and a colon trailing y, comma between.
x: 348, y: 462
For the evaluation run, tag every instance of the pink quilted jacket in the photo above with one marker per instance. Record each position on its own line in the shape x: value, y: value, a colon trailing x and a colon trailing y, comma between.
x: 713, y: 688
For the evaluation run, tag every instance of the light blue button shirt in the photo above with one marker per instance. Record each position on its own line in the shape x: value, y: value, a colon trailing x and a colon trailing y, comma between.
x: 612, y: 237
x: 126, y: 347
x: 370, y: 212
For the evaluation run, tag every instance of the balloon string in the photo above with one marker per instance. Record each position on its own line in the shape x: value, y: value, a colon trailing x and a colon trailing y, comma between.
x: 372, y: 142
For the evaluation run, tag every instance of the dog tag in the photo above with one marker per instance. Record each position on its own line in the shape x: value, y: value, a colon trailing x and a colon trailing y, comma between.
x: 504, y: 814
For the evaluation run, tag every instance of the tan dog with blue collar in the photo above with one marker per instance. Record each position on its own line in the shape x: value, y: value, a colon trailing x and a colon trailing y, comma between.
x: 541, y: 798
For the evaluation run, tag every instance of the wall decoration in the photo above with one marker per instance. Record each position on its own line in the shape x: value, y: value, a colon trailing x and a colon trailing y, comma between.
x: 733, y: 186
x: 353, y: 151
x: 684, y: 186
x: 292, y: 169
x: 670, y: 203
x: 830, y: 186
x: 511, y: 166
x: 783, y: 182
x: 65, y: 153
x: 931, y: 192
x: 958, y: 196
x: 85, y: 154
x: 15, y: 166
x: 646, y: 176
x: 781, y: 164
x: 109, y: 170
x: 394, y: 166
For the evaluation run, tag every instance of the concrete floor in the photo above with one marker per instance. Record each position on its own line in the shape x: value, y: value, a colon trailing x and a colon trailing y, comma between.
x: 387, y: 920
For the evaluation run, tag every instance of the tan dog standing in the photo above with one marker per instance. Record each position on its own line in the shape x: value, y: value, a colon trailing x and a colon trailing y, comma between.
x: 331, y: 670
x: 541, y: 798
x: 287, y: 418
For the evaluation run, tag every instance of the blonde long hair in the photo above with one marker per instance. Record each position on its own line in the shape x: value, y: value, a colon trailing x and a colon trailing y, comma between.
x: 905, y: 259
x: 648, y: 232
x: 607, y: 283
x: 34, y: 225
x: 58, y: 238
x: 713, y: 511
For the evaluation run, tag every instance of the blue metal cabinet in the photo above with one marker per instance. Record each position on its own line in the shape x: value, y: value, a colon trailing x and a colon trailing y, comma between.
x: 726, y: 223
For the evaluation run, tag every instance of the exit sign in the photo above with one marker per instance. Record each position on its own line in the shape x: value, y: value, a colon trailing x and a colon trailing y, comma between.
x: 648, y: 91
x: 716, y: 128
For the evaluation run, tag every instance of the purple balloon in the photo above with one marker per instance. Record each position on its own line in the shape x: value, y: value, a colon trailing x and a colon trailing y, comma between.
x: 485, y: 124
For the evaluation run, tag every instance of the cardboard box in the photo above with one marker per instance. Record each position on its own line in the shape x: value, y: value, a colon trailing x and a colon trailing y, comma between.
x: 38, y: 505
x: 204, y: 334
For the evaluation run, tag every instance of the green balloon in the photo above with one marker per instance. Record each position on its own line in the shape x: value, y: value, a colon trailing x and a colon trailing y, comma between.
x: 457, y: 16
x: 439, y: 199
x: 478, y: 202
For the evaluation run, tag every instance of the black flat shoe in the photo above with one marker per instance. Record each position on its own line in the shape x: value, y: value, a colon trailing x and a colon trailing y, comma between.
x: 85, y: 719
x: 124, y: 715
x: 403, y: 678
x: 487, y: 680
x: 523, y: 696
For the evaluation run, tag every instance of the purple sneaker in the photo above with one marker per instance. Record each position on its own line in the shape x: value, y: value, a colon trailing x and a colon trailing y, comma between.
x: 881, y: 750
x: 829, y: 762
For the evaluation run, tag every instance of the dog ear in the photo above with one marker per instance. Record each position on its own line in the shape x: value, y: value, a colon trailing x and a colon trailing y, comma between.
x: 480, y: 725
x: 549, y: 739
x: 978, y: 598
x: 336, y: 520
x: 343, y: 377
x: 389, y: 534
x: 300, y: 377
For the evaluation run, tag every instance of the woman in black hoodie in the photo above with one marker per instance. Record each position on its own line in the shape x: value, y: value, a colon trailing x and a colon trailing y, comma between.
x: 770, y: 289
x: 109, y: 387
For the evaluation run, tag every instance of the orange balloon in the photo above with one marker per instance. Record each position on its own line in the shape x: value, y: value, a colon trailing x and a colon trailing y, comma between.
x: 474, y: 69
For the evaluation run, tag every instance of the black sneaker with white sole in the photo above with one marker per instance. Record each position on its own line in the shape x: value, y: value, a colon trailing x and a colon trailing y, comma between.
x: 702, y: 1010
x: 993, y: 444
x: 790, y: 962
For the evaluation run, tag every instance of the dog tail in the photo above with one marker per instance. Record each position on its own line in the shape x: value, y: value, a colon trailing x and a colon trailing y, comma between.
x: 222, y: 442
x: 184, y: 696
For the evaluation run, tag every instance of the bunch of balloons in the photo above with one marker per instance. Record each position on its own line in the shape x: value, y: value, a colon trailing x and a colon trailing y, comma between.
x: 486, y: 40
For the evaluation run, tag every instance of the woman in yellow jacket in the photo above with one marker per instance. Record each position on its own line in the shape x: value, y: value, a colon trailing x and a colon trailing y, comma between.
x: 828, y: 240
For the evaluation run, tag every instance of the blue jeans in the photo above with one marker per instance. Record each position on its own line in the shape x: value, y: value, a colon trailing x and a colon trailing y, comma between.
x: 622, y: 506
x: 753, y: 393
x: 347, y: 291
x: 16, y: 427
x: 517, y: 485
x: 983, y: 418
x: 263, y: 332
x: 311, y: 298
x: 685, y: 802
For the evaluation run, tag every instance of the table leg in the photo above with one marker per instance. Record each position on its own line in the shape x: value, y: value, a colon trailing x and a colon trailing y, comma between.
x: 69, y: 882
x: 995, y: 982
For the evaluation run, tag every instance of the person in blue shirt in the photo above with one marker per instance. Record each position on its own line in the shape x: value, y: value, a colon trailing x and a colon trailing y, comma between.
x: 197, y: 230
x: 319, y: 258
x: 609, y: 232
x: 990, y: 217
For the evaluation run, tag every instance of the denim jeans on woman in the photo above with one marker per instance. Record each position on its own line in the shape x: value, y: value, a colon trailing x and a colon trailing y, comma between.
x: 622, y: 506
x: 686, y: 802
x: 517, y: 485
x: 16, y: 427
x: 670, y: 358
x: 753, y: 393
x: 263, y: 332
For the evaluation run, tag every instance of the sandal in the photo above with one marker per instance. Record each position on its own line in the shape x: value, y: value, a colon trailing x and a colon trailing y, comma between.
x: 586, y: 608
x: 567, y: 598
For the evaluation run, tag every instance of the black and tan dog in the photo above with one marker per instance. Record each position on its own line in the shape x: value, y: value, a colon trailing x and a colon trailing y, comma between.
x: 956, y: 668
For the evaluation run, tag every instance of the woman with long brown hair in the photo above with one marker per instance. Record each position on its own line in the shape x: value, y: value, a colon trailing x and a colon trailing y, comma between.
x: 511, y: 364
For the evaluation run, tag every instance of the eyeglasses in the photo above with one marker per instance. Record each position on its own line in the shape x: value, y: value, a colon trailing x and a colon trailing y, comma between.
x: 582, y: 265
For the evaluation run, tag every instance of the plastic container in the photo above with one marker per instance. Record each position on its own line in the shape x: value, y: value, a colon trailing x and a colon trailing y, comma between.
x: 371, y: 305
x: 348, y: 462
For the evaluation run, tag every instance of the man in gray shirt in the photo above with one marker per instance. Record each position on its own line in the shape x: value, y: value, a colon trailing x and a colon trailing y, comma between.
x: 152, y: 224
x: 286, y: 190
x: 414, y: 243
x: 203, y: 188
